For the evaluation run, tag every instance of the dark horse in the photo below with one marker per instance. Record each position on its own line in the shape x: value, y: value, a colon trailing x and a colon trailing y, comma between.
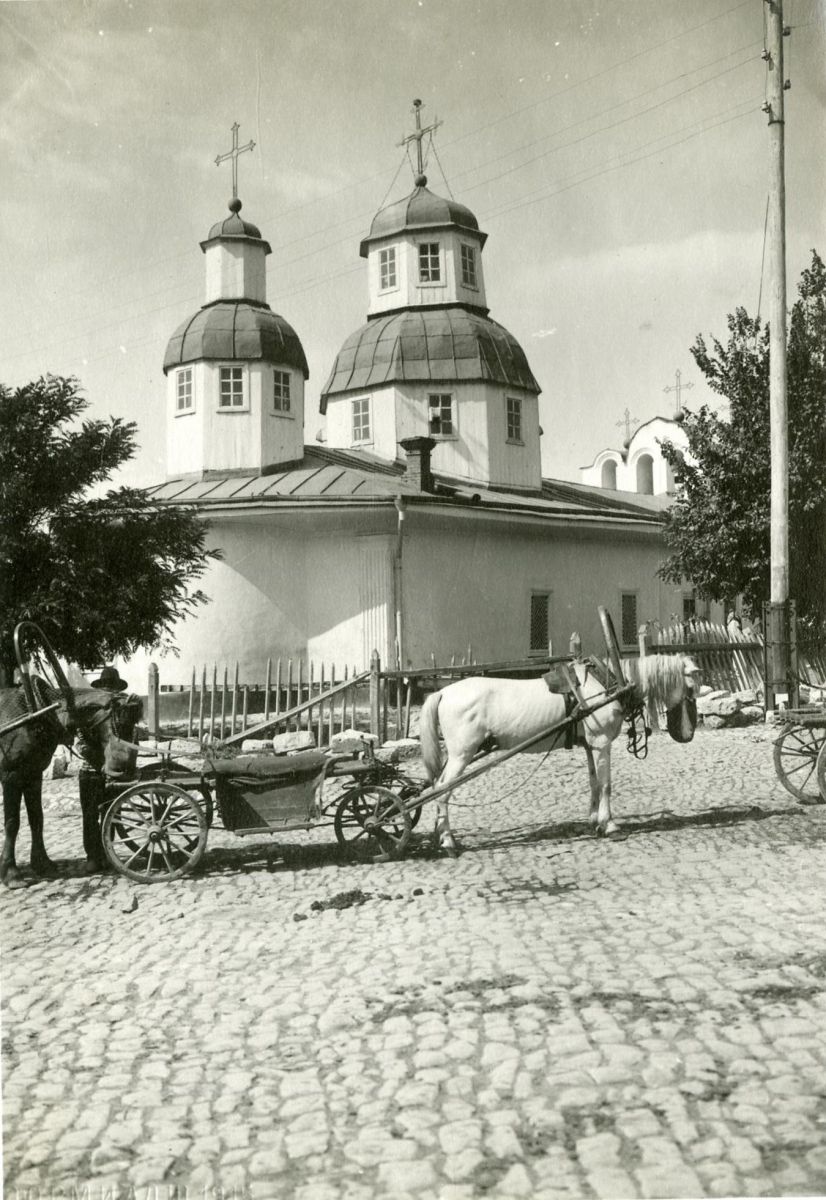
x: 27, y: 749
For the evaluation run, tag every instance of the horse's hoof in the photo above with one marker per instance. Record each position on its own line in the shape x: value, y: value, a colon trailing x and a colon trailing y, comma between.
x: 94, y: 866
x: 12, y: 879
x: 615, y: 835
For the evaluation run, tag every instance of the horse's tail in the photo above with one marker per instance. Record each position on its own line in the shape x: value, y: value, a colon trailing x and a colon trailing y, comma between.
x: 429, y: 736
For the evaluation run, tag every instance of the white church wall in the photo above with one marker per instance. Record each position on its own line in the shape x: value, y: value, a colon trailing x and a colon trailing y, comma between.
x: 185, y: 430
x: 513, y: 464
x: 235, y: 271
x: 282, y: 433
x: 302, y: 592
x: 409, y: 292
x: 339, y: 428
x: 466, y: 584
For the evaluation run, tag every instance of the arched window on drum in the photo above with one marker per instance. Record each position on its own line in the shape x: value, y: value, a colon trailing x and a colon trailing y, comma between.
x: 608, y: 478
x: 645, y: 475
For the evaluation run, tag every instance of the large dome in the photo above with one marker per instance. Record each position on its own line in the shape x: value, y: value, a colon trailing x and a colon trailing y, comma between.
x: 236, y: 329
x: 443, y: 345
x: 422, y: 209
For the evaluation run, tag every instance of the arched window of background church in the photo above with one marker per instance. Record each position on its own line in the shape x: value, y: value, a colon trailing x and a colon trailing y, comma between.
x: 645, y: 475
x: 609, y: 474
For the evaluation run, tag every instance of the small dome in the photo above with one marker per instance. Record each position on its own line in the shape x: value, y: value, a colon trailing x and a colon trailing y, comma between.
x: 422, y: 209
x: 234, y: 227
x: 233, y: 330
x: 441, y: 345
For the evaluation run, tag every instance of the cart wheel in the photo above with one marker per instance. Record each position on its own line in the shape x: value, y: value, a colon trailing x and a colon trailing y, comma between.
x: 796, y: 761
x: 371, y: 822
x: 409, y: 792
x: 821, y: 772
x: 154, y: 832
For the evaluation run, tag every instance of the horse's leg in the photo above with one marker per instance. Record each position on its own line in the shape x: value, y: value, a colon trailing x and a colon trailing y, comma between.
x: 443, y: 833
x: 12, y: 796
x: 33, y: 796
x: 605, y: 823
x: 594, y: 786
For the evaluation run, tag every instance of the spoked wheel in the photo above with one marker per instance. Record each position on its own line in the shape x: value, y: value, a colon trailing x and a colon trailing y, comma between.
x: 821, y: 772
x: 372, y: 823
x: 796, y: 761
x: 154, y: 832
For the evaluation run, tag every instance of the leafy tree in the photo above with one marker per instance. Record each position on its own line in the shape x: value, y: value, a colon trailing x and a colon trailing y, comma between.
x: 718, y: 527
x: 102, y: 573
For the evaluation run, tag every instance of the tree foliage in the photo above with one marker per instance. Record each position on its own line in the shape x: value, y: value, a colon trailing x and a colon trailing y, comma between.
x: 718, y: 527
x: 102, y: 573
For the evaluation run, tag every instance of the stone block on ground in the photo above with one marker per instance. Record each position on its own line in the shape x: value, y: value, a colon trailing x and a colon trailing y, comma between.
x: 300, y: 740
x: 351, y: 741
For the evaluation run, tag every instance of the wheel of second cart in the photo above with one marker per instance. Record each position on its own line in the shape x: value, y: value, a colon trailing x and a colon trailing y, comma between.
x: 372, y: 823
x: 154, y: 832
x: 796, y: 761
x: 821, y: 772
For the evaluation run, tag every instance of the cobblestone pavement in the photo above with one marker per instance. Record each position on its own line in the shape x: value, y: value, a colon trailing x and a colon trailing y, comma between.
x: 548, y: 1016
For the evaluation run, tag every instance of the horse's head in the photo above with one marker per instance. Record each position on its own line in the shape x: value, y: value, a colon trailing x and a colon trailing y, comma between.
x: 105, y: 724
x: 680, y: 700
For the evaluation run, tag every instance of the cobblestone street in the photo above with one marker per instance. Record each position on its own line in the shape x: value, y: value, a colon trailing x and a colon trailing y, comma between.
x: 548, y: 1016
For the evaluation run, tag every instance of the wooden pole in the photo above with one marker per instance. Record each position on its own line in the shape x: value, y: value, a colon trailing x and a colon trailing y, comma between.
x: 778, y: 684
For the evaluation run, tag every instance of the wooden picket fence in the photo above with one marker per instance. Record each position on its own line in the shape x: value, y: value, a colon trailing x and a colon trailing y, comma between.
x: 325, y: 699
x: 727, y: 664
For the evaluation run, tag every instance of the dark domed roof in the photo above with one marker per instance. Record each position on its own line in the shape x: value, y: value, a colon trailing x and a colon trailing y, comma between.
x: 234, y: 227
x: 422, y: 209
x: 236, y: 329
x: 443, y: 345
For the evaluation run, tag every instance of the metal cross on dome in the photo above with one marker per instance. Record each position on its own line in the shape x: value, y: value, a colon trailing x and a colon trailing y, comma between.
x: 678, y: 388
x: 627, y: 421
x: 233, y: 154
x: 418, y: 134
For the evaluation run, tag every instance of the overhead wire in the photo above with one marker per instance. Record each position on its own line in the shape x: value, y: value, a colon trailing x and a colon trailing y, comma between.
x: 281, y: 264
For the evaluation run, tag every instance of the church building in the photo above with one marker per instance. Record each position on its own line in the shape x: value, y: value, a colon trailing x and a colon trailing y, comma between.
x: 422, y: 525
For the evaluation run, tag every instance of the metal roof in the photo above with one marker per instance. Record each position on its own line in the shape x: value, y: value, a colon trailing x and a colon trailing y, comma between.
x: 327, y: 475
x: 235, y: 228
x: 422, y: 209
x: 236, y: 329
x: 440, y: 345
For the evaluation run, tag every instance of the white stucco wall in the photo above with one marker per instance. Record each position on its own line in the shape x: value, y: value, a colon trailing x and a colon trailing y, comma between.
x: 321, y: 587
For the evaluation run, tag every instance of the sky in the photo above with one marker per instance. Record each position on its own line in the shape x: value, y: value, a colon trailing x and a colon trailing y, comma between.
x: 614, y: 151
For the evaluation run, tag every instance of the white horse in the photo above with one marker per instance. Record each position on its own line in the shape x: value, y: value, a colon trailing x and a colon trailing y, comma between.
x: 511, y: 711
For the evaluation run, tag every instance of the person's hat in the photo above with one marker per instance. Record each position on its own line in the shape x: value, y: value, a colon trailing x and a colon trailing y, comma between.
x: 110, y: 680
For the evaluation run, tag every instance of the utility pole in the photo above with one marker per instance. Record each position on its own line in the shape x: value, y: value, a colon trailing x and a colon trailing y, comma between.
x: 781, y: 681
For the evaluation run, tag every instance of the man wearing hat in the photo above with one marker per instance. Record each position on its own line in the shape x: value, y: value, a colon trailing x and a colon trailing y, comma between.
x: 91, y: 781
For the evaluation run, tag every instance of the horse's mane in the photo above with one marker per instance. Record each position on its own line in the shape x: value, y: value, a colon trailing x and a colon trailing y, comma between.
x: 656, y: 676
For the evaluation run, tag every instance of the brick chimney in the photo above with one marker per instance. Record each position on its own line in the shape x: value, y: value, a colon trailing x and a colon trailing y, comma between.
x: 417, y: 468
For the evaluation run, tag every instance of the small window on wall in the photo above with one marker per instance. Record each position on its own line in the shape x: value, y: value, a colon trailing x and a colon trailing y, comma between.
x: 361, y: 421
x: 440, y: 415
x: 628, y: 619
x: 184, y: 400
x: 281, y: 391
x: 540, y: 622
x: 429, y: 268
x: 387, y: 268
x: 232, y: 387
x: 514, y: 419
x: 469, y: 266
x: 689, y: 607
